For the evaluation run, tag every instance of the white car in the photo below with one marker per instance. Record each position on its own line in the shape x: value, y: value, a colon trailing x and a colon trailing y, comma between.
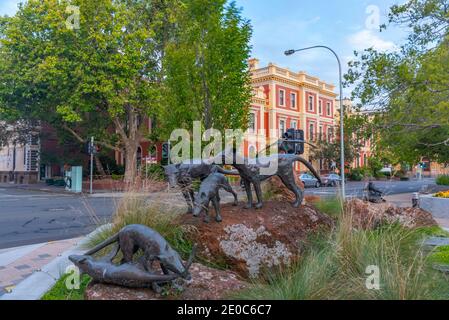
x: 387, y: 170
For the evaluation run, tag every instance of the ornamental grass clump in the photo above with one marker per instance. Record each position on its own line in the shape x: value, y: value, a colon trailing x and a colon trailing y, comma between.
x: 341, y: 265
x: 158, y: 215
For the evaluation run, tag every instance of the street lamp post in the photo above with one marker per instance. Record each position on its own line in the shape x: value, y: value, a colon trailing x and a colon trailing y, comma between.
x: 342, y: 112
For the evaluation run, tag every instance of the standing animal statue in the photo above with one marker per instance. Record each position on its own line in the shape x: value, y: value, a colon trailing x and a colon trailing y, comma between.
x: 209, y: 191
x: 155, y: 248
x: 251, y: 174
x: 183, y: 174
x: 132, y: 275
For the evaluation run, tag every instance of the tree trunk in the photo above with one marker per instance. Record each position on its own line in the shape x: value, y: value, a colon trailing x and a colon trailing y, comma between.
x: 131, y: 140
x: 131, y: 162
x: 99, y: 166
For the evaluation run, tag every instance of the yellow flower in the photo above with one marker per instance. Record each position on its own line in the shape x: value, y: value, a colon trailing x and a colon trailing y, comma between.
x: 443, y: 194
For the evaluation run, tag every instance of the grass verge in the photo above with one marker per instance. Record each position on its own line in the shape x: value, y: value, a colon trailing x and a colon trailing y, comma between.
x: 61, y: 292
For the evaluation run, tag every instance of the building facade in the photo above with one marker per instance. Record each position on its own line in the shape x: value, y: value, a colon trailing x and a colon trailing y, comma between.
x: 284, y: 99
x: 19, y: 163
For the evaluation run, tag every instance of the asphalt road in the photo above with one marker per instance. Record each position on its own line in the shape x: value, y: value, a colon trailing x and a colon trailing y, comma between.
x: 29, y: 217
x: 355, y: 189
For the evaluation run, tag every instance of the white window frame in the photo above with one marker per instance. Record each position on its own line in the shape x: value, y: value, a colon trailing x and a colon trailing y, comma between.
x: 328, y: 108
x: 296, y: 124
x: 311, y: 106
x: 330, y: 135
x: 282, y: 130
x: 282, y: 97
x: 311, y: 132
x: 255, y: 122
x: 320, y: 107
x: 294, y: 100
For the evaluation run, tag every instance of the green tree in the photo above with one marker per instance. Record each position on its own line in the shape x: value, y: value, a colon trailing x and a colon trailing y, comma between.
x: 356, y: 134
x: 408, y: 89
x: 207, y: 75
x: 105, y: 77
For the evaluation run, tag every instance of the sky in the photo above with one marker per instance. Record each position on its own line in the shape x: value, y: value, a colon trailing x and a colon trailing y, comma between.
x: 278, y: 25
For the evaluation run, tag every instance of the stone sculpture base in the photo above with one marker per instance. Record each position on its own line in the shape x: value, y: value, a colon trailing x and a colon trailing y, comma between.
x: 251, y: 241
x: 206, y: 284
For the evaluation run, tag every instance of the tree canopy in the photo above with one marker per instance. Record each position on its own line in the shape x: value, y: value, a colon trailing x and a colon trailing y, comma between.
x: 128, y: 60
x: 408, y: 89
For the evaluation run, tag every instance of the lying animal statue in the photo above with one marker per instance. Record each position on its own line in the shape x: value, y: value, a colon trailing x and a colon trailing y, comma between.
x: 183, y: 174
x: 209, y: 191
x: 372, y: 194
x: 250, y: 174
x: 155, y: 248
x: 131, y: 275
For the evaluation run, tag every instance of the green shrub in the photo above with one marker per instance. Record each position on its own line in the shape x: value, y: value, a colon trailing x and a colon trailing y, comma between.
x: 153, y: 171
x: 356, y: 174
x: 443, y: 180
x: 117, y: 177
x: 375, y: 165
x: 441, y: 255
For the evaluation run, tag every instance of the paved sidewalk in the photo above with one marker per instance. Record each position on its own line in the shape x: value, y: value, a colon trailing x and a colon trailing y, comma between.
x: 405, y: 201
x: 17, y: 264
x: 401, y: 200
x: 40, y: 187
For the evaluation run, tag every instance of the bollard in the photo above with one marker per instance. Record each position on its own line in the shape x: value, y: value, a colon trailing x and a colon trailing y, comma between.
x: 415, y: 200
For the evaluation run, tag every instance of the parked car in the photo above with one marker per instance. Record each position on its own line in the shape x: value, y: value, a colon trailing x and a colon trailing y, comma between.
x: 331, y: 180
x: 309, y: 180
x: 387, y: 170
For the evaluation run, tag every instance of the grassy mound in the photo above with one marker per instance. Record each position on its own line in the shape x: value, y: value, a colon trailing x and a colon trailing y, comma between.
x: 338, y: 266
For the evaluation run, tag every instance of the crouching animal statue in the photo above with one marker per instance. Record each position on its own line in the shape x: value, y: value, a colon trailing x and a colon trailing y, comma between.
x: 155, y: 248
x: 372, y: 194
x: 183, y: 174
x: 251, y: 174
x: 209, y: 191
x: 132, y: 275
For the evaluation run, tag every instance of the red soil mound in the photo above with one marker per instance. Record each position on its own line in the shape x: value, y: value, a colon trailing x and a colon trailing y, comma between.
x: 250, y: 241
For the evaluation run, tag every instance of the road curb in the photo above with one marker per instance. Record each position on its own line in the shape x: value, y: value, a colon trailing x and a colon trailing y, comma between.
x: 36, y: 285
x: 61, y: 192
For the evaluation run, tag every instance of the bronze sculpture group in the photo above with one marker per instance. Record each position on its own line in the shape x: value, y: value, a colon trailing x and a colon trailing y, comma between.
x: 130, y: 240
x: 131, y: 273
x: 213, y: 179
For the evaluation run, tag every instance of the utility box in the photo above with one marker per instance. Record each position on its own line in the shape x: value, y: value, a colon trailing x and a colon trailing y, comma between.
x: 74, y: 180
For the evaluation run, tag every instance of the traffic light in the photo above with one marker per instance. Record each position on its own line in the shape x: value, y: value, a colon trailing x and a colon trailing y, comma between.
x: 294, y: 142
